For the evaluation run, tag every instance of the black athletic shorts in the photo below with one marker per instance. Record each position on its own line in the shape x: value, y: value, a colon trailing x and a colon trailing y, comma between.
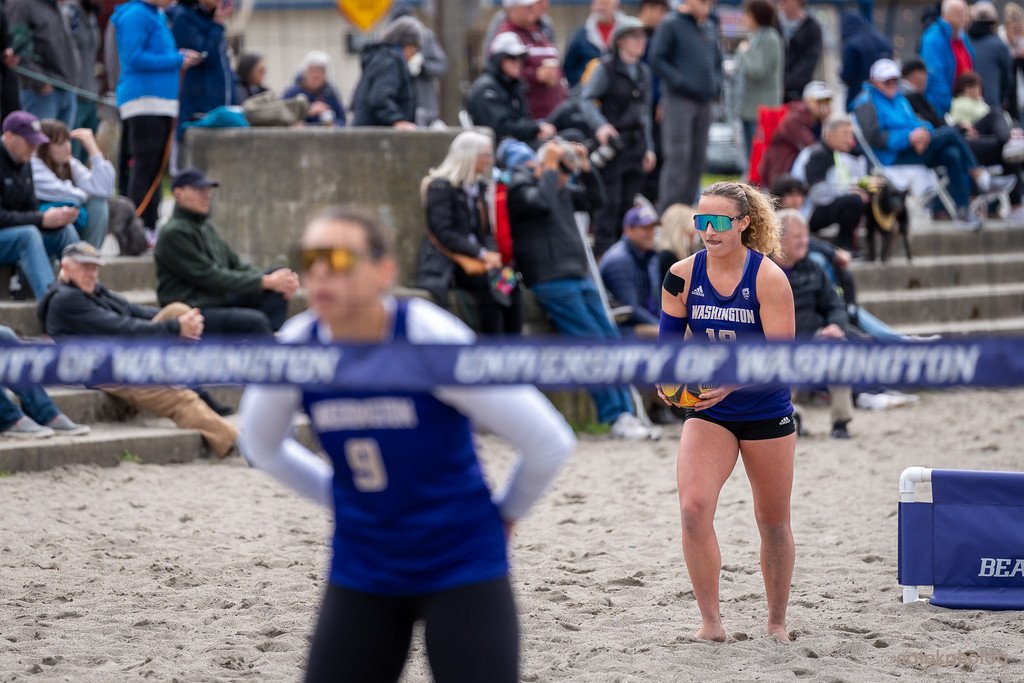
x: 750, y: 430
x: 471, y: 633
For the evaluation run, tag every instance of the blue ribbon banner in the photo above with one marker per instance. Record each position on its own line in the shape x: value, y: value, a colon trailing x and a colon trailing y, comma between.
x: 547, y: 363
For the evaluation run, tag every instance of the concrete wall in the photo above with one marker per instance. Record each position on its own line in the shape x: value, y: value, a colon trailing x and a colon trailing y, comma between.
x: 274, y: 179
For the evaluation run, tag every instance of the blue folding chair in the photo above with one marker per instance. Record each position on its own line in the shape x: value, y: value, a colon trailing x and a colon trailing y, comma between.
x: 968, y: 543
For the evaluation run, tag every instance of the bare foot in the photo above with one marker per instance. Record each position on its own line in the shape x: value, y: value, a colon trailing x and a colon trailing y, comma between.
x: 778, y: 632
x: 715, y: 632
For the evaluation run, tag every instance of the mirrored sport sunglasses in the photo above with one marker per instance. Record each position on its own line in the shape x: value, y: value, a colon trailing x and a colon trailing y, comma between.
x: 720, y: 223
x: 338, y: 259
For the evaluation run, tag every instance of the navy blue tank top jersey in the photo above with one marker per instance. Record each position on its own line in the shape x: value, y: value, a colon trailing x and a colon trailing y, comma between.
x: 713, y: 317
x: 413, y: 514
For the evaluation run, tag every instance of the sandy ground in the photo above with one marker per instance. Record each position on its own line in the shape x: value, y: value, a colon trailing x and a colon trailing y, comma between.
x: 211, y: 572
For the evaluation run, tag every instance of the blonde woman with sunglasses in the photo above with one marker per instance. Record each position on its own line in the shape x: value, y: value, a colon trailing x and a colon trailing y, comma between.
x: 418, y: 535
x: 730, y: 292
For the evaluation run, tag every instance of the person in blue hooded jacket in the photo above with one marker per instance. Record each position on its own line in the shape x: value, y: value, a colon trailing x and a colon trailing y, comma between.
x: 863, y: 45
x: 147, y: 93
x: 199, y: 25
x: 948, y: 52
x: 385, y: 95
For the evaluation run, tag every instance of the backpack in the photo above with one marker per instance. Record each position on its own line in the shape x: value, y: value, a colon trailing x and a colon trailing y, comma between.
x: 126, y: 227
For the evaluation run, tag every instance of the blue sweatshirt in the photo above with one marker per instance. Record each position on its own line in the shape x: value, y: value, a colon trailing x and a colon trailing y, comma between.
x: 150, y: 61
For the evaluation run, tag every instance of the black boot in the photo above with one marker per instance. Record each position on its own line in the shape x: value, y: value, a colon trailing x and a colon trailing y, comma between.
x: 839, y: 430
x: 215, y: 405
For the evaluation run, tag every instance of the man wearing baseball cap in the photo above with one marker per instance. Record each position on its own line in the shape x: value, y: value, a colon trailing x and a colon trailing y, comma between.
x: 29, y: 237
x: 630, y: 268
x: 194, y: 265
x: 797, y: 129
x: 898, y: 136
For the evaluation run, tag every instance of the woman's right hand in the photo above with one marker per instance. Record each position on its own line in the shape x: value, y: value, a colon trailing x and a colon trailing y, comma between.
x: 191, y: 58
x: 88, y: 140
x: 493, y: 260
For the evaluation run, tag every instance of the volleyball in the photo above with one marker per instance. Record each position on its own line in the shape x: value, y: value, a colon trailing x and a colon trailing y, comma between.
x: 680, y: 394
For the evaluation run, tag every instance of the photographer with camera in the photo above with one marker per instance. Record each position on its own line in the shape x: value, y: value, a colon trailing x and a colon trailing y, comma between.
x: 616, y: 103
x: 552, y: 257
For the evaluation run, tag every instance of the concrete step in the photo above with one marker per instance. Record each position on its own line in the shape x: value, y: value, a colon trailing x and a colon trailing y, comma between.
x: 941, y: 305
x: 940, y: 271
x: 21, y: 315
x: 960, y: 328
x: 120, y: 273
x: 945, y: 238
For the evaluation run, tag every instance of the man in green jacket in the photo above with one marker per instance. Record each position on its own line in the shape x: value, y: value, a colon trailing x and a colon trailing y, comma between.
x: 196, y: 266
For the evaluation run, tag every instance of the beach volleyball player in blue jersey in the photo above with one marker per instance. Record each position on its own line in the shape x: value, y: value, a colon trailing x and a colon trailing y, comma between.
x: 731, y: 292
x: 418, y: 535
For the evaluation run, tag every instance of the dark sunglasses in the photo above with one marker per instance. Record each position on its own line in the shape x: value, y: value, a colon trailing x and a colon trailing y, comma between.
x: 703, y: 221
x: 338, y: 259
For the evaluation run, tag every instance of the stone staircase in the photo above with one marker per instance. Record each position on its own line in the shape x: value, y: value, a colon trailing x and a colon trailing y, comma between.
x: 958, y: 283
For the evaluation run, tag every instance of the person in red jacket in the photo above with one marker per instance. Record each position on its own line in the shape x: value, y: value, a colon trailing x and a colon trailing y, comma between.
x: 796, y: 131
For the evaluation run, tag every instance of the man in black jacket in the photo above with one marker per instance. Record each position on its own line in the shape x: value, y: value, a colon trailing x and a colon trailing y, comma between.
x: 550, y: 252
x: 913, y: 86
x: 78, y: 305
x: 497, y: 98
x: 686, y: 57
x: 28, y: 237
x: 385, y: 95
x: 802, y: 35
x: 820, y: 312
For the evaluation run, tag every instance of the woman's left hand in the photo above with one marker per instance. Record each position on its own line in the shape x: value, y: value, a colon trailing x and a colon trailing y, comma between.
x: 88, y: 140
x: 713, y: 397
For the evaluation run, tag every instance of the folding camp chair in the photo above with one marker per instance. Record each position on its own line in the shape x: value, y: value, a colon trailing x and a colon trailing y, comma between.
x: 768, y: 119
x: 968, y: 542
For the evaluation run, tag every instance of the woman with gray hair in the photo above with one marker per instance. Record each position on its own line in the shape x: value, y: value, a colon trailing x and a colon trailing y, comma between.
x: 459, y: 248
x: 385, y: 95
x: 325, y: 106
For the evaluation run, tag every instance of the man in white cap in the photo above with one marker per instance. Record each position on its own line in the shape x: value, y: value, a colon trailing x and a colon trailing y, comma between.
x: 497, y: 99
x: 898, y: 136
x: 798, y: 129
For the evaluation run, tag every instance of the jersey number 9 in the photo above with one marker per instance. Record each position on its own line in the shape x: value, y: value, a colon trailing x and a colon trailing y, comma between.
x: 367, y: 465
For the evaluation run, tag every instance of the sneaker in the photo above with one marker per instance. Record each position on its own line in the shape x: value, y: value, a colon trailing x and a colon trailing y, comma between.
x: 970, y: 220
x: 26, y: 428
x: 64, y: 426
x: 627, y: 426
x: 1016, y: 216
x: 1001, y: 183
x: 839, y: 431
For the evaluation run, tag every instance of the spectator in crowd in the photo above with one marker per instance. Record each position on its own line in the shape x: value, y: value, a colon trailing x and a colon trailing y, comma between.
x: 10, y: 100
x: 194, y: 265
x: 545, y: 83
x: 199, y: 25
x: 591, y: 40
x: 833, y: 174
x: 863, y: 45
x: 147, y: 96
x: 552, y: 257
x: 790, y: 191
x: 820, y: 313
x: 913, y: 86
x: 38, y: 417
x: 616, y: 102
x: 687, y: 59
x: 426, y: 67
x: 544, y: 24
x: 29, y: 237
x: 62, y: 180
x: 797, y: 129
x: 992, y: 59
x: 652, y: 13
x: 497, y: 99
x: 1013, y: 35
x: 898, y: 136
x: 384, y: 95
x: 81, y: 17
x: 802, y: 35
x: 630, y: 271
x: 251, y: 72
x: 78, y: 305
x: 987, y: 134
x: 325, y: 108
x: 459, y: 225
x: 50, y: 52
x: 947, y: 52
x: 761, y: 62
x: 677, y: 239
